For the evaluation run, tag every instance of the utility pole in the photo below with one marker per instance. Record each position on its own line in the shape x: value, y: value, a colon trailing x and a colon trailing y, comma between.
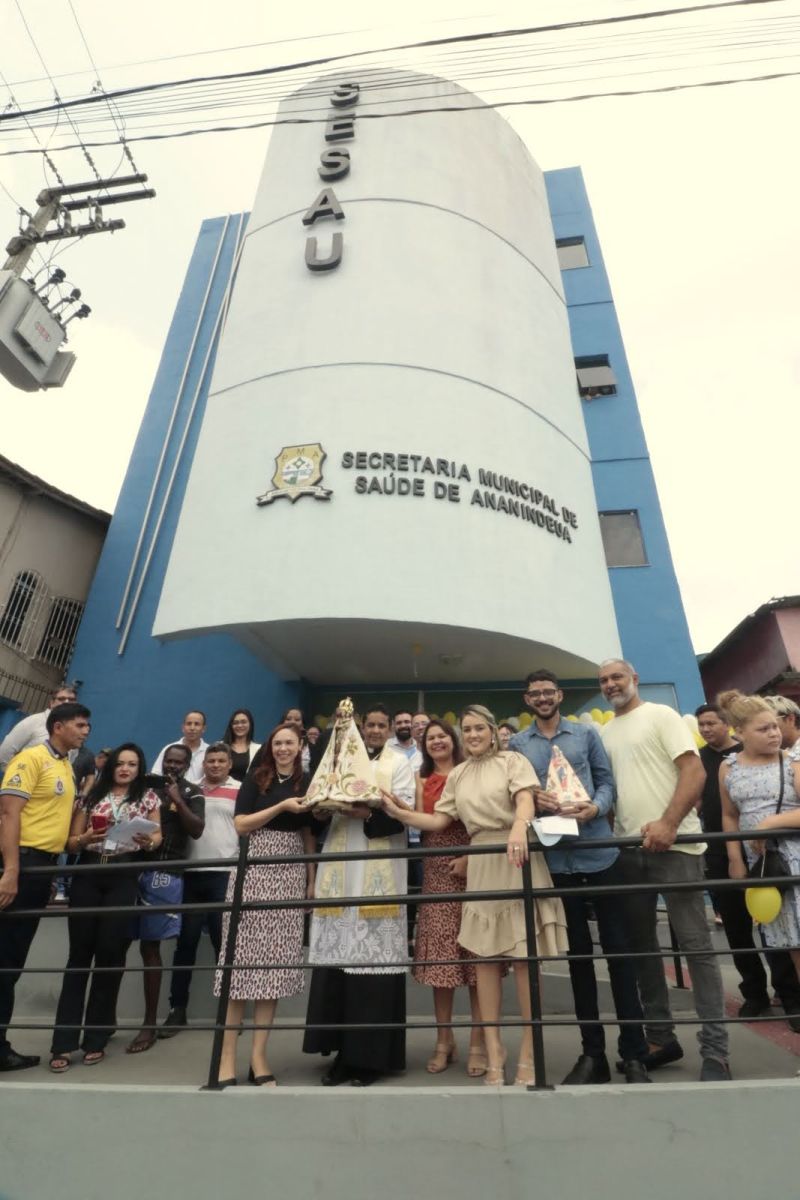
x: 31, y: 332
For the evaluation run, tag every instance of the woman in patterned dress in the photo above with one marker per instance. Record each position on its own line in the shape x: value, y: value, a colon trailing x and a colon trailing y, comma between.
x: 750, y: 788
x: 438, y: 924
x: 269, y: 811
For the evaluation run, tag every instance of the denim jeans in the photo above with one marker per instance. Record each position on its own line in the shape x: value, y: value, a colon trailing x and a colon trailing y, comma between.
x: 687, y: 912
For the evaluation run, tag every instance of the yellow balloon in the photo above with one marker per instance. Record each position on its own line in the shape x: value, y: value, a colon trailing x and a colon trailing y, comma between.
x: 763, y: 904
x: 571, y: 717
x: 596, y: 715
x: 608, y: 716
x: 450, y: 717
x: 524, y: 720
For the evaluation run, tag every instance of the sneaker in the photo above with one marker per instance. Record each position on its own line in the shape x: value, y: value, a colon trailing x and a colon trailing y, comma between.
x: 714, y: 1070
x: 174, y: 1022
x: 755, y: 1008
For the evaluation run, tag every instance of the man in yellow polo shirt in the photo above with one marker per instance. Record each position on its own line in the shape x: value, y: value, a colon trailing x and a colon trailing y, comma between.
x: 36, y: 799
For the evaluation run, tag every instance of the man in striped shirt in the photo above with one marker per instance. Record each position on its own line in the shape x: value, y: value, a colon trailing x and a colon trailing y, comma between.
x: 204, y: 884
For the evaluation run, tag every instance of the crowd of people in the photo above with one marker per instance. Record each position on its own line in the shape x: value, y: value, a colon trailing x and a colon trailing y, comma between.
x: 157, y: 838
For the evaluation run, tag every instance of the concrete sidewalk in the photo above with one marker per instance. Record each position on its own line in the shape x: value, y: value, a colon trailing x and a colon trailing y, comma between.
x: 758, y: 1050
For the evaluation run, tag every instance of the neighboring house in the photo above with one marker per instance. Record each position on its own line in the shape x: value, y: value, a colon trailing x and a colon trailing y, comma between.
x: 762, y: 654
x: 49, y: 546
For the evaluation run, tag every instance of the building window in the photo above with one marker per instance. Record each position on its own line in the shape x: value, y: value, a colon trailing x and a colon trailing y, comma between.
x: 595, y: 377
x: 622, y: 539
x: 22, y: 596
x: 58, y: 638
x: 571, y: 253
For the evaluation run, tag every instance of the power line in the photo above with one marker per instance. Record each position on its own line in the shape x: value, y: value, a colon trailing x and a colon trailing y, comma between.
x: 672, y: 36
x: 146, y: 62
x: 488, y: 89
x: 242, y: 94
x: 45, y: 156
x: 116, y: 116
x: 448, y: 109
x: 426, y: 44
x: 62, y: 106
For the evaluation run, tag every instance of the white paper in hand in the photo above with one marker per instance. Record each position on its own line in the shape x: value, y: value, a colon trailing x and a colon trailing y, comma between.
x: 550, y: 830
x: 120, y: 836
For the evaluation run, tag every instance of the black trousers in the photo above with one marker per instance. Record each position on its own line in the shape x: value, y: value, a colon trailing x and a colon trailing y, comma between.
x: 17, y: 933
x: 614, y: 939
x: 198, y: 887
x: 339, y: 997
x: 738, y: 926
x: 103, y: 939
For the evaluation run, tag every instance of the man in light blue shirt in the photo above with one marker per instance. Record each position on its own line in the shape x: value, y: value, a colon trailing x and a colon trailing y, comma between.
x: 577, y: 863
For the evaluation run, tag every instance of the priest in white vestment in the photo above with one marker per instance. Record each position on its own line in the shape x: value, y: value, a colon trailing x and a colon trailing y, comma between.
x: 367, y: 941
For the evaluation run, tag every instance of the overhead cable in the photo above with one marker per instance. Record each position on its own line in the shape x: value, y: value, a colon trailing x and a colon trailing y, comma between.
x: 443, y: 109
x: 327, y: 60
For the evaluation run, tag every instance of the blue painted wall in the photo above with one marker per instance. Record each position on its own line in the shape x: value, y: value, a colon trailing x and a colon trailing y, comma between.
x: 144, y: 692
x: 652, y: 623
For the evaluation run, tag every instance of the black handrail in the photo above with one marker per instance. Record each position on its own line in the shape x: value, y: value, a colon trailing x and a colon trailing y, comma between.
x: 528, y: 893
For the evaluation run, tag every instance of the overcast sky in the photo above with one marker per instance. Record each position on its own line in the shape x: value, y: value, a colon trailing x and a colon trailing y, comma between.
x: 694, y: 193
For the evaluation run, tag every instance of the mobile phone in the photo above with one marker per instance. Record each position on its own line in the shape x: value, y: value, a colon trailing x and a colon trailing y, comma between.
x: 99, y: 822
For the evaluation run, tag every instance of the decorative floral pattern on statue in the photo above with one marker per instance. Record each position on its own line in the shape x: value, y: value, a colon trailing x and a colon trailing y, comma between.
x: 344, y: 775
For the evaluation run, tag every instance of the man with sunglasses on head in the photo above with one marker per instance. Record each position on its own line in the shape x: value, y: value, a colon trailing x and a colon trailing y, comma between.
x: 32, y: 730
x: 579, y: 864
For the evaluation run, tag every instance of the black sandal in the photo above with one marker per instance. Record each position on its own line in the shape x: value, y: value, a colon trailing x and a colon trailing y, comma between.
x: 259, y: 1080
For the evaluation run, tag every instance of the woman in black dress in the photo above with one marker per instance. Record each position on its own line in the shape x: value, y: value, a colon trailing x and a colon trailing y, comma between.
x: 268, y: 811
x: 240, y: 736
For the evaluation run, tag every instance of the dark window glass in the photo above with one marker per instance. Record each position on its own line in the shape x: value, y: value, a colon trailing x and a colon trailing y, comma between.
x: 16, y: 609
x: 595, y: 377
x: 622, y: 539
x: 571, y: 253
x: 59, y: 632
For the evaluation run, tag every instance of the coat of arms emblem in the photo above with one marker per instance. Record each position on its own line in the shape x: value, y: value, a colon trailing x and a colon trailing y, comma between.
x: 298, y: 472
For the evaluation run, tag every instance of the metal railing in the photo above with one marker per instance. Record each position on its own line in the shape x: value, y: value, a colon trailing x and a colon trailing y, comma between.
x: 528, y: 893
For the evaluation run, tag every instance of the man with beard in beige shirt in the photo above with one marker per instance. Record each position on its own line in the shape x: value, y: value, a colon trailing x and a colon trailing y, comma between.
x: 659, y: 779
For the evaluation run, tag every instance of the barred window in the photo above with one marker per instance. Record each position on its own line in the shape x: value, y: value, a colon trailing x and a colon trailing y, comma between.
x: 59, y: 632
x: 22, y: 596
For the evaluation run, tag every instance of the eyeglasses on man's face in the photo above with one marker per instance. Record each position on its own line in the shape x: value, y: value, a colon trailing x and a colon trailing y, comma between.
x: 542, y: 694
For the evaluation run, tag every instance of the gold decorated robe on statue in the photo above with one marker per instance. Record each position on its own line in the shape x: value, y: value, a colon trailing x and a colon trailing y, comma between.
x: 364, y: 938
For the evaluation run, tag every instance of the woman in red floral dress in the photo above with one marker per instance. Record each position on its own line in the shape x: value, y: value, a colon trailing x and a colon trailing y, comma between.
x: 438, y: 924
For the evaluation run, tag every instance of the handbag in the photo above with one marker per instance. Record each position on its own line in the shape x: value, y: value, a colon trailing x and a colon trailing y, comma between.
x: 770, y: 864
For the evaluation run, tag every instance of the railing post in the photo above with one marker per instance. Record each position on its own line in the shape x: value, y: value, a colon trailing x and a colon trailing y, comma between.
x: 534, y: 980
x: 676, y: 958
x: 227, y: 962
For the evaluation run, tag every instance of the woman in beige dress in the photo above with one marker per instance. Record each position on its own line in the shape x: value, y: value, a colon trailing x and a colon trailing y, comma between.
x: 492, y: 793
